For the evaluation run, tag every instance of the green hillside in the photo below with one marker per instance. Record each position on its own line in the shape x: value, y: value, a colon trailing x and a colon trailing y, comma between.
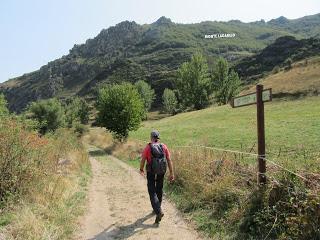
x: 129, y: 51
x: 292, y: 130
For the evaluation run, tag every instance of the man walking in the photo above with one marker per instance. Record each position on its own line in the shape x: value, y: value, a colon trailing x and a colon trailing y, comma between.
x: 157, y: 156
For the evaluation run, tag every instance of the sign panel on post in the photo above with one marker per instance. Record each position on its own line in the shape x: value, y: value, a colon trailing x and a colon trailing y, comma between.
x: 258, y: 98
x: 251, y: 98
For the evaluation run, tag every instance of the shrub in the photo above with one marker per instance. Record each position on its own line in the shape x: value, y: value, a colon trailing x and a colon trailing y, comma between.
x: 286, y: 210
x: 146, y: 93
x: 276, y: 69
x: 77, y: 110
x: 49, y: 114
x: 169, y: 101
x: 120, y: 109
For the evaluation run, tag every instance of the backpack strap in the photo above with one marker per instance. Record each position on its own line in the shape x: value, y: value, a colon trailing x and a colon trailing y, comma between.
x: 151, y: 149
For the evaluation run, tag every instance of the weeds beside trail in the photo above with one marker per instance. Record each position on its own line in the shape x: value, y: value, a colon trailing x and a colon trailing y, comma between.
x: 218, y: 191
x: 42, y: 182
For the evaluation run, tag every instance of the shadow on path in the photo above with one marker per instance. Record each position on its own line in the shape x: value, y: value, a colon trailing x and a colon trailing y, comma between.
x: 97, y: 153
x: 100, y: 152
x: 124, y: 232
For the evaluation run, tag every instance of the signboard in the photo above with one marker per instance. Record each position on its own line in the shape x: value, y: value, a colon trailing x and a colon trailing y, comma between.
x: 258, y: 98
x: 251, y: 98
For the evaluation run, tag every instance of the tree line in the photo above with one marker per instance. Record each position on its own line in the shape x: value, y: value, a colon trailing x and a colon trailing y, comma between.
x: 122, y: 107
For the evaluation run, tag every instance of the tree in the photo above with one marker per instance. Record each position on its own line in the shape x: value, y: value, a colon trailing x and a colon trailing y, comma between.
x: 146, y: 93
x: 193, y: 83
x: 120, y: 109
x: 169, y: 101
x: 49, y: 114
x: 3, y: 106
x: 77, y: 110
x: 226, y: 84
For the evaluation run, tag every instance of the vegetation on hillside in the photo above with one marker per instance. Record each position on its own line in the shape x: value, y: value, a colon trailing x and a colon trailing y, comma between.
x: 218, y: 189
x: 281, y: 53
x: 299, y: 81
x: 42, y: 180
x: 152, y: 52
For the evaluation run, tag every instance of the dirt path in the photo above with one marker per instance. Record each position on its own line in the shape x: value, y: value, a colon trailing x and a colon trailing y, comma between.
x: 119, y: 206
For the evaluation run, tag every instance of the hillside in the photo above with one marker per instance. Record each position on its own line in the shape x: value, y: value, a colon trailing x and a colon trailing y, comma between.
x: 129, y: 51
x: 281, y: 53
x: 291, y: 130
x: 301, y: 80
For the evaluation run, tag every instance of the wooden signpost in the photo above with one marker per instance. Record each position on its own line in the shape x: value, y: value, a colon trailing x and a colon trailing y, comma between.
x: 258, y: 98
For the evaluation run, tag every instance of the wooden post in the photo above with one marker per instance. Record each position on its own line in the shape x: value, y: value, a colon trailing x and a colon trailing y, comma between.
x: 261, y: 137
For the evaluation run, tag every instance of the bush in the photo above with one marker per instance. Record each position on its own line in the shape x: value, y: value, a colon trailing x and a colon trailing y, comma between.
x: 120, y: 109
x: 49, y: 114
x: 146, y: 93
x: 276, y: 69
x: 80, y: 129
x: 169, y: 101
x: 286, y: 210
x: 39, y: 181
x: 77, y: 110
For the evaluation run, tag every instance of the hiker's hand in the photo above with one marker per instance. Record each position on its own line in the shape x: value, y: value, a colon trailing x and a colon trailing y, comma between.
x: 142, y: 173
x: 171, y: 178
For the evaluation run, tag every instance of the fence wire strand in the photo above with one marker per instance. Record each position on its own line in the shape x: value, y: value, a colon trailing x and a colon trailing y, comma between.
x: 243, y: 153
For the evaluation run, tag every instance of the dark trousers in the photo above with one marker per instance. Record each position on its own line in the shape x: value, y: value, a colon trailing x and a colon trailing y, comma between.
x: 155, y: 185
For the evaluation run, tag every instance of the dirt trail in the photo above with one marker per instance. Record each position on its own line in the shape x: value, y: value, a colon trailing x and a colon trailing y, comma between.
x: 119, y: 206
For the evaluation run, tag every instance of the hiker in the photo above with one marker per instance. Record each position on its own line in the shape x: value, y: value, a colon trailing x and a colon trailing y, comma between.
x: 158, y: 157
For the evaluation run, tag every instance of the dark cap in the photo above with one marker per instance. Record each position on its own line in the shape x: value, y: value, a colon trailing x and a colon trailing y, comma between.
x: 155, y: 134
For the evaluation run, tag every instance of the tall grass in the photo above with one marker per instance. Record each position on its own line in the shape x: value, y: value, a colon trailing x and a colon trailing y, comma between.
x: 42, y: 182
x: 218, y: 190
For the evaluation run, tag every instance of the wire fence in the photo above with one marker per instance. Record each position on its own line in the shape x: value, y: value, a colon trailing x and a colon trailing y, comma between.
x: 241, y: 154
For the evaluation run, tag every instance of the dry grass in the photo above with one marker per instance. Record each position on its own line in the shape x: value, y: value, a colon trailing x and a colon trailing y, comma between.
x: 303, y: 78
x: 218, y: 190
x: 49, y: 195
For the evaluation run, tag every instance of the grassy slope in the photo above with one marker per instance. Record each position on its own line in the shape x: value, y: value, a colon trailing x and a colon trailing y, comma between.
x: 301, y: 79
x: 292, y: 126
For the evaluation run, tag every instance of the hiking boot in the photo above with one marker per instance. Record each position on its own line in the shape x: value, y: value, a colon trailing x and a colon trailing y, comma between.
x: 159, y: 217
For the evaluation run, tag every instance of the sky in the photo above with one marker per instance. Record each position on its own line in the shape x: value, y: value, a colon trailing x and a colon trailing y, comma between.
x: 34, y: 32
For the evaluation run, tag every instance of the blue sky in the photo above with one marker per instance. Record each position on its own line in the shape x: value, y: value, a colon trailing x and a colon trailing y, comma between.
x: 34, y: 32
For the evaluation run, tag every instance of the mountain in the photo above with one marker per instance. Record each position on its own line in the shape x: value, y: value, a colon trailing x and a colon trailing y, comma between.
x: 281, y: 53
x: 153, y: 52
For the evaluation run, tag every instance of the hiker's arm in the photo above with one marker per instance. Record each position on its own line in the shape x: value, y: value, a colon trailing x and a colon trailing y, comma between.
x: 170, y: 165
x: 142, y: 162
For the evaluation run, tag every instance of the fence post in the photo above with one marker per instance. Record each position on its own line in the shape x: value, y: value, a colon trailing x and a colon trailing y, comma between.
x: 261, y: 136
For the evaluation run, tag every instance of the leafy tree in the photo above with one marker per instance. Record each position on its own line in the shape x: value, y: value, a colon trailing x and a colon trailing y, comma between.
x: 3, y: 106
x: 226, y: 84
x: 49, y: 114
x: 193, y: 83
x: 77, y: 110
x: 120, y: 109
x: 146, y: 93
x: 169, y: 101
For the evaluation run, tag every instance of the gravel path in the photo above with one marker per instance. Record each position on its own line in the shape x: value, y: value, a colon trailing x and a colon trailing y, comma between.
x: 119, y: 207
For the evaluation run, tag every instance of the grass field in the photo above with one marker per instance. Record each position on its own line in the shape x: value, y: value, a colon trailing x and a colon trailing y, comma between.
x: 292, y: 130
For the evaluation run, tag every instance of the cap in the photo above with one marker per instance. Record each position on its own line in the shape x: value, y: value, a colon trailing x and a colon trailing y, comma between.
x: 155, y: 134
